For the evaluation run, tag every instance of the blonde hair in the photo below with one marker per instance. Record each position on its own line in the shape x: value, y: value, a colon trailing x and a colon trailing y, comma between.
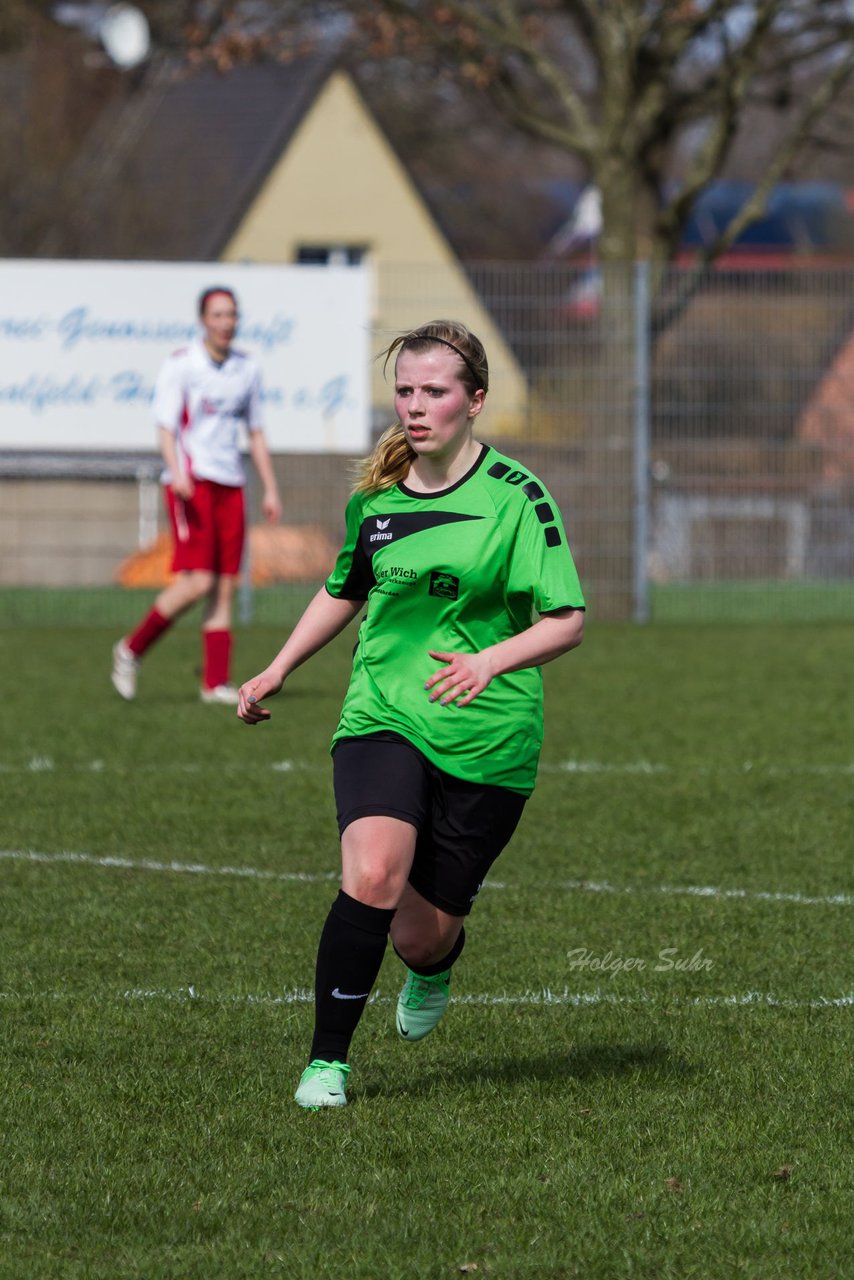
x: 392, y: 456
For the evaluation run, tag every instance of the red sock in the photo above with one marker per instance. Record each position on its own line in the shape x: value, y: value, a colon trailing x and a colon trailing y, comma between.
x: 150, y: 629
x: 217, y: 652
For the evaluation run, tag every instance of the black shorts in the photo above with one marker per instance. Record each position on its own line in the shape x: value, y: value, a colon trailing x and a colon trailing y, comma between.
x: 462, y: 826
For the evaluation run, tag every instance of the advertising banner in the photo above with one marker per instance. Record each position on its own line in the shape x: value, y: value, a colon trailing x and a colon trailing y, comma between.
x: 81, y: 344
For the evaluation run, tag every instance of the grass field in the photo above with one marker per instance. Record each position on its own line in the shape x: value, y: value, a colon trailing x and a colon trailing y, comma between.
x: 701, y: 602
x: 644, y: 1071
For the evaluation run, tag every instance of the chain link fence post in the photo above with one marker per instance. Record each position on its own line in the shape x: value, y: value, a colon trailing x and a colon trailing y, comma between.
x: 642, y: 392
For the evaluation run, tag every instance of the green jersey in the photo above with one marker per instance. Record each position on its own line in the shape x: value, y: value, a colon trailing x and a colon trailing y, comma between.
x: 454, y: 571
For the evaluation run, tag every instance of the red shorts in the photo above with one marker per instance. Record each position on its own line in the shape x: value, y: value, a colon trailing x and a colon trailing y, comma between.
x: 208, y: 529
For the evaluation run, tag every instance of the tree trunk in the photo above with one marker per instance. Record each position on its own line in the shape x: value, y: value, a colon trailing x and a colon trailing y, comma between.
x: 606, y: 534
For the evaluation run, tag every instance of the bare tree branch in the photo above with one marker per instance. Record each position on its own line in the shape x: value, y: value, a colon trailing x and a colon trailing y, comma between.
x: 508, y: 37
x: 741, y: 65
x: 755, y: 206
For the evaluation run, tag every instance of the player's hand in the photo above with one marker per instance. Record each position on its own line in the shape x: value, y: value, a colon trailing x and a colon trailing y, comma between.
x: 183, y: 487
x: 461, y: 680
x: 271, y: 507
x: 249, y: 696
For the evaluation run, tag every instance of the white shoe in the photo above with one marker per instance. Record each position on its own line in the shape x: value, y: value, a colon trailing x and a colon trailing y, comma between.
x: 225, y: 694
x: 125, y: 671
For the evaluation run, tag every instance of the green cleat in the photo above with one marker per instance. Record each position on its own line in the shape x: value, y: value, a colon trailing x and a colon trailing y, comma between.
x: 421, y: 1004
x: 323, y: 1084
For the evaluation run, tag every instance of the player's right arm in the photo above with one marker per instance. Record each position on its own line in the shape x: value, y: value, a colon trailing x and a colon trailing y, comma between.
x: 169, y: 403
x: 325, y: 616
x: 181, y: 482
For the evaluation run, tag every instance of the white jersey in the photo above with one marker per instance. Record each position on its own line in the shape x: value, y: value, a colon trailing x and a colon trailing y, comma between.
x: 205, y: 405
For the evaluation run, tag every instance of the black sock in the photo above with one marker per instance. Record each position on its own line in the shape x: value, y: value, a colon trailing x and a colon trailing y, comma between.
x: 351, y: 950
x: 430, y: 970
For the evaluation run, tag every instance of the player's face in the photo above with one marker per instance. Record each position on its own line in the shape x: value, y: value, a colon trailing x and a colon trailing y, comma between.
x: 219, y: 321
x: 434, y: 407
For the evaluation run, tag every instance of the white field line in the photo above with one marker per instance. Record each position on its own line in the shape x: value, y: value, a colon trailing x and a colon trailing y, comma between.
x: 590, y: 768
x: 709, y: 891
x: 46, y: 764
x: 545, y: 998
x: 318, y: 877
x: 184, y: 868
x: 758, y: 768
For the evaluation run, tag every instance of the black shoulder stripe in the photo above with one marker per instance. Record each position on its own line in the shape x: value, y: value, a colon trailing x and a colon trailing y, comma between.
x: 533, y: 492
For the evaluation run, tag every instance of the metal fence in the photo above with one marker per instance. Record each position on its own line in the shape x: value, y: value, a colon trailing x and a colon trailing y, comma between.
x: 700, y: 442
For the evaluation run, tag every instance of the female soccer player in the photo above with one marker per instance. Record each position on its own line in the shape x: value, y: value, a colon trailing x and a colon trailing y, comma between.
x: 462, y: 559
x: 205, y: 392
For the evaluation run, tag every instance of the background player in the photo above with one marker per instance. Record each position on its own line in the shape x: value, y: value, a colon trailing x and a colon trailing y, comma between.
x: 456, y: 550
x: 203, y: 396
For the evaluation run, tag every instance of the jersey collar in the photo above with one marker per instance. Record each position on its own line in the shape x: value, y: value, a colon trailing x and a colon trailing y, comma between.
x: 441, y: 493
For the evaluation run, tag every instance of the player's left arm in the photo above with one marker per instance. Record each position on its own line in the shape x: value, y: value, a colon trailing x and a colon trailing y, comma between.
x: 271, y: 503
x: 465, y: 675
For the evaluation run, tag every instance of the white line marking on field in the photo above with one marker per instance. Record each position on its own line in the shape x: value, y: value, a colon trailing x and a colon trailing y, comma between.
x: 641, y: 767
x: 44, y: 764
x: 596, y: 766
x: 317, y: 877
x: 184, y: 868
x: 589, y: 768
x: 544, y: 998
x: 710, y: 891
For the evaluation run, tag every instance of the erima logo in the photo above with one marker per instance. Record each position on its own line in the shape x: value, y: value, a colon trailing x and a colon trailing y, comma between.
x: 381, y: 537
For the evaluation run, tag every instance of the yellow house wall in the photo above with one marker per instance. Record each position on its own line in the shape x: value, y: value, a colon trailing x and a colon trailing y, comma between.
x: 340, y: 182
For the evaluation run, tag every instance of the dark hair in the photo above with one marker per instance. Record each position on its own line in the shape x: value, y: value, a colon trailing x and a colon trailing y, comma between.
x: 209, y: 293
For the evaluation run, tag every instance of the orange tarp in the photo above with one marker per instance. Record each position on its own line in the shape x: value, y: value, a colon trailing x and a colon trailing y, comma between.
x: 285, y: 553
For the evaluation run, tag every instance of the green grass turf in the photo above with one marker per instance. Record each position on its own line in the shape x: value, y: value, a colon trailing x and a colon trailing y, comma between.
x: 721, y: 602
x: 754, y: 601
x: 586, y: 1109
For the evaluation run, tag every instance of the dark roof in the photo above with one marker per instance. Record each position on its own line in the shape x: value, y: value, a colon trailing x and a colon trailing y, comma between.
x: 184, y: 159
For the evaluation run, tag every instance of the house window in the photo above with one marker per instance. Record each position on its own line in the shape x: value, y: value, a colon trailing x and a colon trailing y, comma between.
x: 331, y: 255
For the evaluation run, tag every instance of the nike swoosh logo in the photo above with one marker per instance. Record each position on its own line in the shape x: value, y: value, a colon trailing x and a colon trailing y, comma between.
x: 340, y: 995
x: 400, y: 1029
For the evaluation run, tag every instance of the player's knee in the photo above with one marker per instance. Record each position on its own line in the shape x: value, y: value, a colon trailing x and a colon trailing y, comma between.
x: 421, y: 943
x: 419, y: 951
x: 376, y: 885
x: 199, y: 583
